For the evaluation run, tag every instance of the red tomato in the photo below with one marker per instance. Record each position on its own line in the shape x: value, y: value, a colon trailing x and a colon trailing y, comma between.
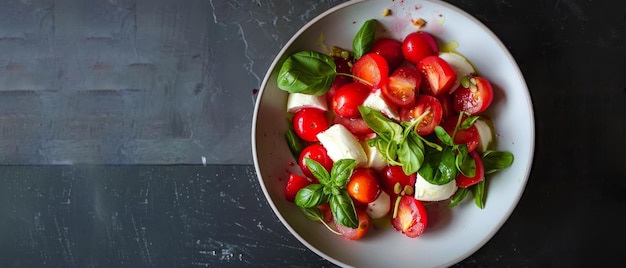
x: 348, y: 98
x: 308, y: 122
x: 474, y: 99
x: 328, y: 215
x: 411, y: 218
x: 424, y: 104
x: 402, y: 86
x: 363, y: 185
x: 342, y: 66
x: 372, y: 68
x: 318, y: 153
x: 463, y: 136
x: 360, y: 231
x: 463, y: 182
x: 418, y: 45
x: 391, y: 50
x: 295, y: 182
x: 395, y: 182
x: 356, y: 126
x: 446, y: 106
x: 439, y: 76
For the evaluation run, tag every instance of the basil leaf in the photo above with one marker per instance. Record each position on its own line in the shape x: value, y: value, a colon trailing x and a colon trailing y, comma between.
x: 314, y: 213
x: 343, y: 210
x: 446, y: 171
x: 307, y: 72
x: 295, y: 143
x: 465, y: 163
x: 317, y: 170
x: 468, y: 122
x: 496, y: 160
x: 443, y: 136
x: 411, y: 154
x: 364, y: 38
x: 310, y: 196
x: 341, y: 172
x: 478, y: 190
x: 459, y: 195
x: 383, y: 126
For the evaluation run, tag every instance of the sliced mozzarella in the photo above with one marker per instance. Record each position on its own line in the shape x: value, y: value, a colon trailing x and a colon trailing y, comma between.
x: 375, y: 159
x: 297, y: 101
x: 485, y: 135
x: 377, y: 102
x: 460, y: 64
x: 341, y: 144
x: 379, y: 207
x: 425, y: 191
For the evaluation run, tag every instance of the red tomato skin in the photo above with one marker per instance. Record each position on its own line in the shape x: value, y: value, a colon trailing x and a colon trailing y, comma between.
x: 315, y: 152
x: 356, y: 126
x: 363, y: 185
x: 463, y: 136
x: 463, y: 182
x: 447, y: 109
x: 360, y: 231
x: 402, y: 87
x: 308, y: 122
x: 391, y: 50
x: 438, y: 75
x: 411, y: 218
x: 372, y: 68
x: 418, y: 45
x: 328, y: 215
x: 392, y: 175
x: 348, y: 98
x: 474, y: 99
x: 295, y: 182
x: 429, y: 122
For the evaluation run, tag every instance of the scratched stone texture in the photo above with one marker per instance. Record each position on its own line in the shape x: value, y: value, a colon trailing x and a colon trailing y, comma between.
x: 137, y: 81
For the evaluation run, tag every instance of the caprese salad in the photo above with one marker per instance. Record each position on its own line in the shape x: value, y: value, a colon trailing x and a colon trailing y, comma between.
x: 385, y: 128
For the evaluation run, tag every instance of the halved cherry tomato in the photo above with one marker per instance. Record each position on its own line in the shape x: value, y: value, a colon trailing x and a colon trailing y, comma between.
x: 418, y: 45
x: 360, y: 231
x: 424, y: 104
x: 402, y: 86
x: 467, y: 136
x: 295, y: 182
x: 372, y: 68
x: 391, y: 50
x: 396, y: 183
x: 473, y: 99
x: 356, y: 126
x: 315, y: 152
x: 411, y: 218
x: 463, y: 182
x: 347, y: 99
x: 308, y: 122
x: 439, y: 76
x: 363, y: 185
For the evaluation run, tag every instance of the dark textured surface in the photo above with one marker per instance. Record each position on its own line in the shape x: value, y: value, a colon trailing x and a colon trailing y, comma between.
x: 173, y: 82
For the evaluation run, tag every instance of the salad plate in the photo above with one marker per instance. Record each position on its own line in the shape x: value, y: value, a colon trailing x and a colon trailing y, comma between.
x: 453, y: 233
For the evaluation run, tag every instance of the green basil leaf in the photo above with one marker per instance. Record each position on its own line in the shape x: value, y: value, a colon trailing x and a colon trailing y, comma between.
x: 411, y: 154
x: 459, y: 195
x: 341, y: 172
x: 307, y: 72
x: 478, y: 191
x: 317, y: 170
x: 440, y: 167
x: 443, y: 136
x: 295, y: 143
x: 465, y: 163
x: 494, y: 161
x: 364, y: 38
x: 310, y: 196
x: 429, y: 167
x: 314, y: 213
x: 468, y: 122
x: 384, y: 127
x: 343, y: 210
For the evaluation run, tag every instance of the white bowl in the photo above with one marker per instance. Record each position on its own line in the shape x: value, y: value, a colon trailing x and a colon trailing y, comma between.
x: 452, y: 234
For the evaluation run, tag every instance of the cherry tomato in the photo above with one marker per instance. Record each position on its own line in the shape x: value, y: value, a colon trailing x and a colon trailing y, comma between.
x: 360, y: 231
x: 372, y: 68
x: 315, y: 152
x: 363, y: 185
x: 446, y: 106
x: 402, y: 86
x: 463, y: 136
x: 356, y: 126
x: 473, y: 99
x: 341, y: 66
x: 391, y: 50
x: 439, y: 76
x: 395, y: 182
x: 463, y: 182
x: 295, y: 182
x: 424, y: 104
x: 418, y: 45
x: 411, y: 217
x: 347, y: 99
x: 308, y: 122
